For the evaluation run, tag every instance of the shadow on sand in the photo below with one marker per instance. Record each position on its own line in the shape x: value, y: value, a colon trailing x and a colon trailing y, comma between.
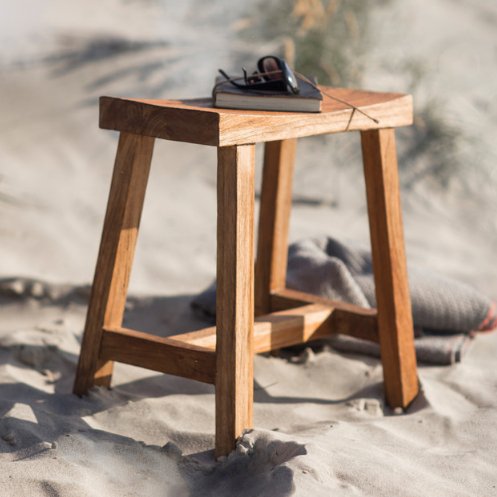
x: 54, y: 416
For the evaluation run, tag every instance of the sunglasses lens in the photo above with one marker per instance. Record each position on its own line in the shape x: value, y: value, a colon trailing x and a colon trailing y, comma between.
x: 289, y: 77
x: 270, y: 65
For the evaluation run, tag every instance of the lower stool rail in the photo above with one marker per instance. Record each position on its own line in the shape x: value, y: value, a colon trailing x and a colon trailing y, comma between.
x: 193, y: 355
x: 346, y: 319
x: 165, y: 355
x: 296, y: 325
x: 276, y: 330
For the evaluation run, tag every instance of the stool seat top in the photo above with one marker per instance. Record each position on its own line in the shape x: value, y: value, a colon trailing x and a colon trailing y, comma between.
x: 197, y: 121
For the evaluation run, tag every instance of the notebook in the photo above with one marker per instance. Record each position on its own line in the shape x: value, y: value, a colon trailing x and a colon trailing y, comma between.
x: 226, y: 95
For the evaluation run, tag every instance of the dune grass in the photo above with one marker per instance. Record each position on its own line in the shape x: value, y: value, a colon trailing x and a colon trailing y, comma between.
x: 331, y: 40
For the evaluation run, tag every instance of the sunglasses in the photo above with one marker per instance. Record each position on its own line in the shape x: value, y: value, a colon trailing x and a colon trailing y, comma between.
x: 273, y: 74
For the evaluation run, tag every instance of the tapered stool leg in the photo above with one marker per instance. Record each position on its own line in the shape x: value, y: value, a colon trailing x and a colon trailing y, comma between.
x: 274, y: 220
x: 389, y: 264
x: 235, y: 295
x: 110, y: 284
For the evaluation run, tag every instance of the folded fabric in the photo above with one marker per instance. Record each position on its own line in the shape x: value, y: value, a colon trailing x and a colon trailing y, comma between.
x: 445, y: 312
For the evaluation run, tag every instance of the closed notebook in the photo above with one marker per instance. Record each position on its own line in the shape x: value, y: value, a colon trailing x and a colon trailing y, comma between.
x: 226, y: 95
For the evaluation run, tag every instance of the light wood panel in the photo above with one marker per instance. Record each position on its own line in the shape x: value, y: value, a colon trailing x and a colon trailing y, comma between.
x: 165, y: 355
x: 115, y: 257
x: 347, y: 319
x: 196, y: 121
x: 390, y: 273
x: 235, y: 294
x: 274, y: 220
x: 297, y: 325
x: 274, y: 331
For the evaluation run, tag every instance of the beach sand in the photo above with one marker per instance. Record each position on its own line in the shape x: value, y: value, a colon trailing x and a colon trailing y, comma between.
x: 322, y: 427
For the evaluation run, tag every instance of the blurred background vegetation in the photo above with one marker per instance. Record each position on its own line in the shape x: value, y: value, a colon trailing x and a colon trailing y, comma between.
x: 332, y: 41
x: 325, y: 39
x: 58, y: 57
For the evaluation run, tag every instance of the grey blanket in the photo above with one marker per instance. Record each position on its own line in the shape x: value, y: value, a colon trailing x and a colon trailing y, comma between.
x: 445, y: 312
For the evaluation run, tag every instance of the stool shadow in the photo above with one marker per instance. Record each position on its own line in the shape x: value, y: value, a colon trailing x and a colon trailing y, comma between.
x: 58, y: 414
x: 162, y: 315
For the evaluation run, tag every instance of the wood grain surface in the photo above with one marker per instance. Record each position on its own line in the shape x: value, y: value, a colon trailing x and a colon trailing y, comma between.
x: 165, y: 355
x: 390, y: 273
x: 274, y: 221
x: 235, y: 294
x: 298, y: 323
x: 196, y: 121
x: 115, y: 257
x: 346, y: 319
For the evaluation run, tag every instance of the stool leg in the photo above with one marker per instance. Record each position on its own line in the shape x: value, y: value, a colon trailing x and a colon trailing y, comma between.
x: 115, y: 257
x: 235, y: 294
x: 387, y: 242
x: 274, y: 220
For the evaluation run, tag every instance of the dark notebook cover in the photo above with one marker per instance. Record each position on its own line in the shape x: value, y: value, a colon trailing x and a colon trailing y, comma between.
x: 229, y: 96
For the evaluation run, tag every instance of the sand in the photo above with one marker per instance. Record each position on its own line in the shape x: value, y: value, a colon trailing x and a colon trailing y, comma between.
x: 322, y: 427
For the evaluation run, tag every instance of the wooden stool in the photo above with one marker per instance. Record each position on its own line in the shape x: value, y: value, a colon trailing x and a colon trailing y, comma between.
x: 223, y: 355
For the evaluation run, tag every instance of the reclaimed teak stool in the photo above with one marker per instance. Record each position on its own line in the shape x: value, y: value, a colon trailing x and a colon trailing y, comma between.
x: 223, y: 355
